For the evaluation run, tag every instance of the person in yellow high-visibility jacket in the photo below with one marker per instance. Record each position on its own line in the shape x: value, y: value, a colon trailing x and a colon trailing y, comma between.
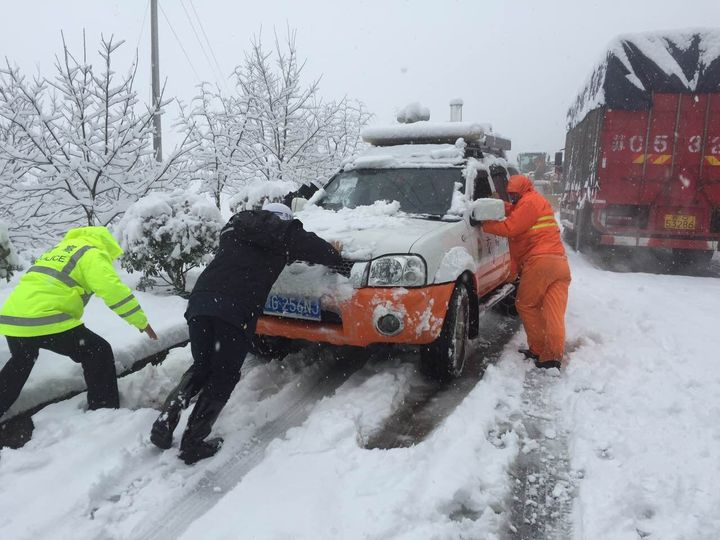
x: 44, y: 311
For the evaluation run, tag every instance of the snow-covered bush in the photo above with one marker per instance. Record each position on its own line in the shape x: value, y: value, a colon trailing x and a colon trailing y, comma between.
x: 8, y: 257
x: 167, y: 235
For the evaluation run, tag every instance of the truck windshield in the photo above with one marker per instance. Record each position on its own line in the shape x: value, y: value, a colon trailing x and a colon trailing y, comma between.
x: 419, y: 191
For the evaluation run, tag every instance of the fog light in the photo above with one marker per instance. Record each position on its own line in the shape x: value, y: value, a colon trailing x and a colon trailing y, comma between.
x: 389, y: 324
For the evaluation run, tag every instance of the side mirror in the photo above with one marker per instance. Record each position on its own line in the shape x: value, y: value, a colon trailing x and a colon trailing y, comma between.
x: 558, y: 159
x: 298, y: 204
x: 487, y: 210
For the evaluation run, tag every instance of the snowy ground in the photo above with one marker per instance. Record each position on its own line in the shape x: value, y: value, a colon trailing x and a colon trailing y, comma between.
x: 626, y: 437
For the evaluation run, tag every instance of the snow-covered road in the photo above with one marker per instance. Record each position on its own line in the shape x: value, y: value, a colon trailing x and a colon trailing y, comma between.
x: 624, y: 443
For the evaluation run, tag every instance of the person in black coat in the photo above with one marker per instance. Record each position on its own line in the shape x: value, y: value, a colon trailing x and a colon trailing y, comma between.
x: 222, y: 313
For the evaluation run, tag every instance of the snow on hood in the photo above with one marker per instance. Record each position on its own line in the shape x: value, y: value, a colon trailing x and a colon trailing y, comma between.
x: 301, y: 279
x: 367, y: 231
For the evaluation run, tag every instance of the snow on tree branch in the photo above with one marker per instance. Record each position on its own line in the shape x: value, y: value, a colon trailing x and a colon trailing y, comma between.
x: 275, y: 128
x: 76, y: 148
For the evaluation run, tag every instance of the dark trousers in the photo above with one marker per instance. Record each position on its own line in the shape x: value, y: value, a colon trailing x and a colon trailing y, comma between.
x: 218, y: 349
x: 83, y: 346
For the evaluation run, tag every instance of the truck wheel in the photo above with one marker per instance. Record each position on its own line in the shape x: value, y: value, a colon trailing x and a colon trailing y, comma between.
x: 444, y: 358
x: 270, y: 347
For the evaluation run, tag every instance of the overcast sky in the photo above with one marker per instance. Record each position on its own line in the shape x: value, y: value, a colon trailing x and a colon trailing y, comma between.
x: 516, y: 64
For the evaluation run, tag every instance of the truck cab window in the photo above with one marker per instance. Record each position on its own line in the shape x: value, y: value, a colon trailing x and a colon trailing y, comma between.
x: 500, y: 181
x: 482, y: 186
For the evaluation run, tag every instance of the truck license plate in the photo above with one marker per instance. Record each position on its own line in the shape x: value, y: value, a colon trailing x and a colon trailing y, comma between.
x: 296, y: 307
x: 678, y: 222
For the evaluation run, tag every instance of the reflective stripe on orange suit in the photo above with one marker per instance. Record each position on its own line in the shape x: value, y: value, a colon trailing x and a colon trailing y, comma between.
x: 538, y: 252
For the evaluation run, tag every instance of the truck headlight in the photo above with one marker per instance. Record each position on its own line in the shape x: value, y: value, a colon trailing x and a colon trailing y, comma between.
x: 397, y: 271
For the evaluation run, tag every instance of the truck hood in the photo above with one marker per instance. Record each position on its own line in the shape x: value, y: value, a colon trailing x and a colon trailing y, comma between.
x: 369, y: 231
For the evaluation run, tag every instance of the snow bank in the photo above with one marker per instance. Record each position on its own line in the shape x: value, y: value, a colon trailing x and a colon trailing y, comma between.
x: 640, y: 401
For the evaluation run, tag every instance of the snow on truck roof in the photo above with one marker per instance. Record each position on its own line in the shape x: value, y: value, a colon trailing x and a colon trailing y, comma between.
x: 425, y: 144
x: 409, y: 156
x: 636, y: 65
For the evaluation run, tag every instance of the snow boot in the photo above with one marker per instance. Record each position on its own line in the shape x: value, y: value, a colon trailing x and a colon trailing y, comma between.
x: 529, y: 355
x: 547, y: 364
x: 193, y: 446
x: 161, y: 434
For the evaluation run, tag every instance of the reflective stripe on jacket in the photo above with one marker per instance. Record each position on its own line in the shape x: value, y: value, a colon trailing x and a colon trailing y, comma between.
x: 50, y: 298
x: 530, y: 225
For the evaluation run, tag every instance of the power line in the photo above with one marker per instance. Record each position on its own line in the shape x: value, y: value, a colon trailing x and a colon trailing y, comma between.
x: 202, y: 29
x: 142, y: 26
x: 197, y: 37
x: 167, y: 20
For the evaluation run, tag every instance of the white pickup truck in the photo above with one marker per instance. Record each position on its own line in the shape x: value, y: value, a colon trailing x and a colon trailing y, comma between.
x: 418, y: 269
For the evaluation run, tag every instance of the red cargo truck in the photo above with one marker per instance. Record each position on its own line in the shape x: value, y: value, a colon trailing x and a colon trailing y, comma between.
x: 642, y: 154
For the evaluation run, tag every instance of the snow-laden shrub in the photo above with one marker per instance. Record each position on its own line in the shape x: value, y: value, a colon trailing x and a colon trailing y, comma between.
x: 8, y: 258
x: 9, y: 261
x: 165, y: 235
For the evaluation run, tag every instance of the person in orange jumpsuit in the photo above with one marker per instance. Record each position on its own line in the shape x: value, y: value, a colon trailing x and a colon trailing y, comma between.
x: 538, y: 255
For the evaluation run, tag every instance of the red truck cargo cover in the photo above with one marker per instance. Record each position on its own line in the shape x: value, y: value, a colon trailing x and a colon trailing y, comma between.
x: 637, y: 66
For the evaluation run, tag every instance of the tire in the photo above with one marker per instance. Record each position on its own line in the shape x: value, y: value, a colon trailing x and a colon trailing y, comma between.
x: 270, y: 347
x: 444, y: 359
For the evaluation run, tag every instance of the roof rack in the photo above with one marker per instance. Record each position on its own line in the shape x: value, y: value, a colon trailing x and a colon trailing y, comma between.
x: 475, y: 135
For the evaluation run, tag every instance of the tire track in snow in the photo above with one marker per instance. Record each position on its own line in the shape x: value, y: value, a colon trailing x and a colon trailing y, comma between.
x: 542, y: 484
x: 428, y: 404
x: 178, y: 514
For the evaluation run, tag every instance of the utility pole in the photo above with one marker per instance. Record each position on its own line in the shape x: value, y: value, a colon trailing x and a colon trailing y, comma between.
x: 155, y: 56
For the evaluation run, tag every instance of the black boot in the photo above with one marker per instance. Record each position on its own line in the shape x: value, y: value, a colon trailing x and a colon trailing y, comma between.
x: 547, y: 364
x: 529, y: 355
x: 161, y: 434
x: 194, y: 447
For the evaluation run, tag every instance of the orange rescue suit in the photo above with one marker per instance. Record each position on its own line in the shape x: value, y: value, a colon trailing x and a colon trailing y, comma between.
x: 539, y: 257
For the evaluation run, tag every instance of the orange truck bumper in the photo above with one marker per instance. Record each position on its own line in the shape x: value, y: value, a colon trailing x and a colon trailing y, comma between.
x: 422, y: 312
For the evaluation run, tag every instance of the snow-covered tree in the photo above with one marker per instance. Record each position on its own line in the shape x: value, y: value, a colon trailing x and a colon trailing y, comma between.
x: 81, y: 144
x: 165, y: 235
x: 219, y: 128
x: 8, y: 258
x: 274, y: 128
x: 298, y: 137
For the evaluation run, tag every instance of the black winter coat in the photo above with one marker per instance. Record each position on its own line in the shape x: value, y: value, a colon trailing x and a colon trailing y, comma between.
x: 255, y: 246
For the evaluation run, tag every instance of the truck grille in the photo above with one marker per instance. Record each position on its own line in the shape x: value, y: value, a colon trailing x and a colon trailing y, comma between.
x: 343, y: 268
